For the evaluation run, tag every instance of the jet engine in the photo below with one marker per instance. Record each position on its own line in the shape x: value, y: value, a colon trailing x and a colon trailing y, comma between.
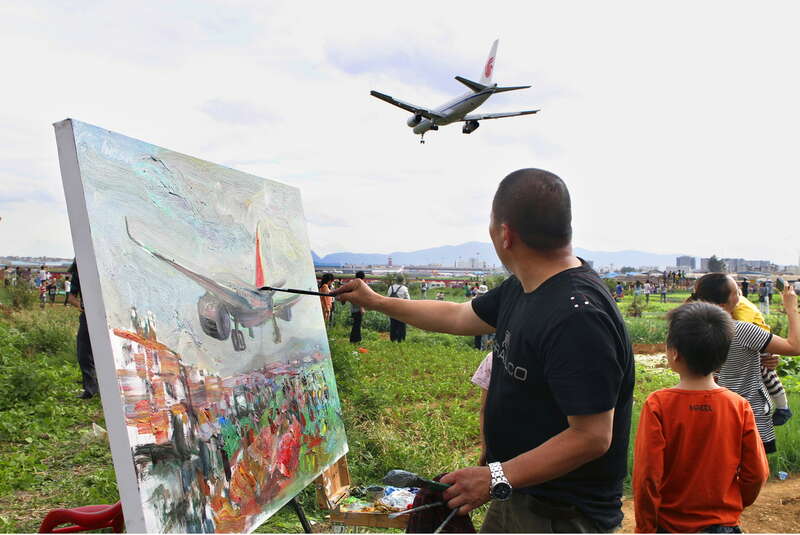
x: 470, y: 127
x: 214, y: 317
x: 414, y: 120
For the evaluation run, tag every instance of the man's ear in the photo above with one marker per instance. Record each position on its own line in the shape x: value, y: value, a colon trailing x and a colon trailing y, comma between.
x: 508, y: 236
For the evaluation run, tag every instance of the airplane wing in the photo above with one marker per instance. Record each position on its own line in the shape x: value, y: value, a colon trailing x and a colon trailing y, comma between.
x: 223, y: 293
x: 278, y: 306
x: 425, y: 112
x: 484, y: 116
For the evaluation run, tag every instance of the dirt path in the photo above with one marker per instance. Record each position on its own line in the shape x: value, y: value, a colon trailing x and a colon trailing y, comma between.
x: 777, y: 510
x: 649, y: 349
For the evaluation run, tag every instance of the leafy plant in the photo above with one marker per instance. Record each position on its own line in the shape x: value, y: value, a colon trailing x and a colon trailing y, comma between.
x: 646, y: 330
x: 636, y: 307
x: 790, y: 366
x: 375, y: 321
x: 22, y: 296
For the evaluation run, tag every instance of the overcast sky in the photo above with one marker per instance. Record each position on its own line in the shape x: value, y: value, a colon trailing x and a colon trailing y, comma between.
x: 675, y: 125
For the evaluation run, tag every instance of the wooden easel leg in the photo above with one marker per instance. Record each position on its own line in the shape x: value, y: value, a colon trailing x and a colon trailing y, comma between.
x: 301, y: 515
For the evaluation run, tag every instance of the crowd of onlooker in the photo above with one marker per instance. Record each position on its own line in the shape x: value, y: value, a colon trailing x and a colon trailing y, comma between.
x: 398, y: 289
x: 49, y: 284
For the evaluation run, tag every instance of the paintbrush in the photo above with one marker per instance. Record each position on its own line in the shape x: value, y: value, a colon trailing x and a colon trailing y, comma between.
x: 446, y: 520
x: 415, y: 509
x: 293, y: 291
x: 402, y: 478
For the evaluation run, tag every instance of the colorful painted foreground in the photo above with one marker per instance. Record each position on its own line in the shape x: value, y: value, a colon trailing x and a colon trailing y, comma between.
x: 222, y: 454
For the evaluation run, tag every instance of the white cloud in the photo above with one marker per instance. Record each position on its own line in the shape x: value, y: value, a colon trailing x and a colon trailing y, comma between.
x: 236, y: 112
x: 673, y: 126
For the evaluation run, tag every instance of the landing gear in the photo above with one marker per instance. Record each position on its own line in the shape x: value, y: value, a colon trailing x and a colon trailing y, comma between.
x: 276, y: 332
x: 237, y: 338
x: 422, y: 139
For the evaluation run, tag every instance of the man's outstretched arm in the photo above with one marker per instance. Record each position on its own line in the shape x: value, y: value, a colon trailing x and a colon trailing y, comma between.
x: 437, y: 316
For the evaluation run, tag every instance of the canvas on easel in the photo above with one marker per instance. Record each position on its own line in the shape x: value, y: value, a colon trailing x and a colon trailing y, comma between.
x: 220, y: 399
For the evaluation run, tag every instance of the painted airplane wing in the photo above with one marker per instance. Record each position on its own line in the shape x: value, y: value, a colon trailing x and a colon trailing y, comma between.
x: 484, y: 116
x: 425, y: 112
x: 223, y: 293
x: 277, y: 307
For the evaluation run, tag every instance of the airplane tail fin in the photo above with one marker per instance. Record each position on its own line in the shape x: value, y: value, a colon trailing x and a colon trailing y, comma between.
x: 475, y: 86
x: 488, y: 68
x: 259, y: 260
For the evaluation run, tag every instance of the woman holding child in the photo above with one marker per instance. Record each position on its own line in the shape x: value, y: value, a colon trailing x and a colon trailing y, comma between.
x: 741, y: 372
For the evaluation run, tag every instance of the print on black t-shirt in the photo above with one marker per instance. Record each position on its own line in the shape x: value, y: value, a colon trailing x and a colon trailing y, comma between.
x: 517, y: 372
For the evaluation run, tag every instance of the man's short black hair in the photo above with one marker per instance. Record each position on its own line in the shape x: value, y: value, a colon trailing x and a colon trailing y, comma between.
x: 359, y: 274
x: 701, y: 333
x: 535, y: 204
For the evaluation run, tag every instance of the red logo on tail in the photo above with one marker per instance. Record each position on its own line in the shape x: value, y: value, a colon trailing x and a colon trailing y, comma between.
x: 487, y: 72
x: 259, y: 261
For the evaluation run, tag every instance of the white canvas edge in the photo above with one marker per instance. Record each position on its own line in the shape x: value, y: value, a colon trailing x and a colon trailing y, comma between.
x: 121, y: 451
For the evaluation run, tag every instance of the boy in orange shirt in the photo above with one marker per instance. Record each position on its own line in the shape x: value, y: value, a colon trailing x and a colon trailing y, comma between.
x: 698, y: 460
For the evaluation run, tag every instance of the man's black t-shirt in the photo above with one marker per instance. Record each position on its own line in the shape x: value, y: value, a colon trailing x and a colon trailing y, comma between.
x: 561, y: 350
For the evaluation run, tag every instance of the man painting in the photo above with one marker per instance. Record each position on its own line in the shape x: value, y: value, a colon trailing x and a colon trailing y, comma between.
x: 558, y: 410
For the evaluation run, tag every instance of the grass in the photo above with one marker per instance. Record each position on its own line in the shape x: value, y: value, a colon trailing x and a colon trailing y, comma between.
x: 48, y: 455
x: 407, y: 405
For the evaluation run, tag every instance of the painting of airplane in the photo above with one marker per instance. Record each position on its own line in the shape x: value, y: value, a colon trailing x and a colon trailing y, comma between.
x: 233, y: 300
x: 458, y: 109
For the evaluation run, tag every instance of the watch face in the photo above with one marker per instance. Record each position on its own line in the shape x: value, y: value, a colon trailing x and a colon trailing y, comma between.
x: 501, y: 491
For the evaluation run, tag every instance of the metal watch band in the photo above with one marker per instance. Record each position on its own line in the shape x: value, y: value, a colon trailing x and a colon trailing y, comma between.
x: 498, y: 476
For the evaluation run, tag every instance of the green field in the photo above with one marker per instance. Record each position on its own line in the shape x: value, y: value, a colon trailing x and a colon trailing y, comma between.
x: 408, y: 406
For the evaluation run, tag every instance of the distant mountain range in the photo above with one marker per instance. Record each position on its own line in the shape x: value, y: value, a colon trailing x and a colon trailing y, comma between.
x: 448, y: 255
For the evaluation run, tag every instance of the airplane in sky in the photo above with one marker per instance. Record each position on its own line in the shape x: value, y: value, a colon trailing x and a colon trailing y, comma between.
x: 458, y: 109
x: 233, y: 300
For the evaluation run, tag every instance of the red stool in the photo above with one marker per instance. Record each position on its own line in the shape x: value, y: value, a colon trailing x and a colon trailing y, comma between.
x: 84, y: 518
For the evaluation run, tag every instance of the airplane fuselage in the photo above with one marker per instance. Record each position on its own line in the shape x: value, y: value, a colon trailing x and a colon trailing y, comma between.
x: 454, y: 110
x: 258, y: 309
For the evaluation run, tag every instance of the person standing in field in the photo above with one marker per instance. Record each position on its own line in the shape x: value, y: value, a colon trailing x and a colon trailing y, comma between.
x: 558, y: 410
x: 326, y: 301
x: 648, y: 289
x: 698, y: 459
x: 481, y: 378
x: 83, y: 343
x: 357, y: 315
x: 52, y: 288
x: 763, y: 298
x: 748, y: 312
x: 43, y: 285
x: 618, y: 292
x: 67, y: 287
x: 397, y: 328
x: 332, y: 315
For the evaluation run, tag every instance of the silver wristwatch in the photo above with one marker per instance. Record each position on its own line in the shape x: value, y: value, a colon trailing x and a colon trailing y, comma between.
x: 500, y: 488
